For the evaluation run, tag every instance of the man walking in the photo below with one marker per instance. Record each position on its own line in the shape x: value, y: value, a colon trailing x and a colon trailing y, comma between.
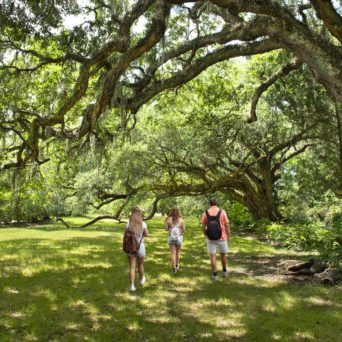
x: 215, y: 226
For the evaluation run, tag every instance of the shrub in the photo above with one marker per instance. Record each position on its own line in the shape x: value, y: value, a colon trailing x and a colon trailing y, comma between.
x: 239, y: 215
x: 309, y: 237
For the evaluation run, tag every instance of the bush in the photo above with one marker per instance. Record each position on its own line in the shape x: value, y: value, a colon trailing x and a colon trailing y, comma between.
x: 309, y: 237
x: 239, y: 215
x: 327, y: 209
x: 76, y: 207
x: 6, y: 206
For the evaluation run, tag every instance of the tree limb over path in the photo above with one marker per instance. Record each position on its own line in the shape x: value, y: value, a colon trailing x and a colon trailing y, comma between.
x: 104, y: 66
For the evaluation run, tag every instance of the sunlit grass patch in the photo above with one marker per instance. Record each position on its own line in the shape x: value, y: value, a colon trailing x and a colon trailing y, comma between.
x: 304, y: 336
x: 250, y: 247
x: 321, y: 301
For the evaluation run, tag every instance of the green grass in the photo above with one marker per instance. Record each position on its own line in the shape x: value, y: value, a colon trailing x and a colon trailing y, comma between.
x: 71, y: 285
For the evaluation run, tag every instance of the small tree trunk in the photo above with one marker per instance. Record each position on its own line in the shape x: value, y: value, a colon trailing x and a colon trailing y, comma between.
x: 339, y: 135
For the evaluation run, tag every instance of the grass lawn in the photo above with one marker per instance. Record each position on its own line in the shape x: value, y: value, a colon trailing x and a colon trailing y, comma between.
x: 72, y: 285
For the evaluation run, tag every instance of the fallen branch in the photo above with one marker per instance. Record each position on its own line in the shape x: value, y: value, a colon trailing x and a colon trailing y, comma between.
x: 301, y: 266
x: 318, y: 269
x: 330, y: 276
x: 65, y: 223
x: 113, y: 217
x: 100, y: 218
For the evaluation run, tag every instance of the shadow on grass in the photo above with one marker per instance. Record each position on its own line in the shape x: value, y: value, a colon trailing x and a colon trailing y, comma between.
x: 75, y: 288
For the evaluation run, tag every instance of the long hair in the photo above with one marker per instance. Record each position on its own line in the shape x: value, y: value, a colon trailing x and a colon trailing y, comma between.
x: 175, y: 215
x: 135, y: 221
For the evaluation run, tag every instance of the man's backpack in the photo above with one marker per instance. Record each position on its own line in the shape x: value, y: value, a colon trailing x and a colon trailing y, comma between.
x: 214, y: 231
x: 130, y: 244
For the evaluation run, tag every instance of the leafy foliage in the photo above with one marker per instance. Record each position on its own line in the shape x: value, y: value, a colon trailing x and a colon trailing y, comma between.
x: 309, y: 237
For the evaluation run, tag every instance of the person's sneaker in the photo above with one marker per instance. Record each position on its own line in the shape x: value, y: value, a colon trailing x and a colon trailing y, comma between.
x: 214, y: 277
x: 142, y: 281
x: 132, y: 288
x: 174, y: 270
x: 225, y: 273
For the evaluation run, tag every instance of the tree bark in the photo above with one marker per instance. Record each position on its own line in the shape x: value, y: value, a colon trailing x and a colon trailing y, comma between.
x: 338, y: 115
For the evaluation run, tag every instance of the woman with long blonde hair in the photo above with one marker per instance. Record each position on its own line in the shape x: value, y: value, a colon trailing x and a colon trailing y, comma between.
x: 139, y: 228
x: 174, y: 225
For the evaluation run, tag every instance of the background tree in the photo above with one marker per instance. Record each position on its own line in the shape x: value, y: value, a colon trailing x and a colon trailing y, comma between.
x: 203, y: 145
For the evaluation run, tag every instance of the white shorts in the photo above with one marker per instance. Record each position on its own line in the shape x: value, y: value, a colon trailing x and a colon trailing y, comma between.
x: 141, y: 253
x: 222, y: 246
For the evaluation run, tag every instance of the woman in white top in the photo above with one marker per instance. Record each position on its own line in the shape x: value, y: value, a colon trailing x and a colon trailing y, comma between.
x: 139, y: 228
x: 174, y: 224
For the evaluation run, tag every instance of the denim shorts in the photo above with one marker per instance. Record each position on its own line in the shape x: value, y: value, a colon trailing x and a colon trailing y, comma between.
x: 177, y: 242
x: 221, y: 245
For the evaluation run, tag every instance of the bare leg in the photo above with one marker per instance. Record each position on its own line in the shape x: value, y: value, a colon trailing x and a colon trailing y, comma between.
x: 213, y: 262
x: 223, y: 260
x: 141, y: 267
x: 131, y: 260
x: 173, y: 255
x: 178, y: 254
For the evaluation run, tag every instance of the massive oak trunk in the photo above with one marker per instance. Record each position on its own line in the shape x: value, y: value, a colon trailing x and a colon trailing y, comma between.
x: 257, y: 193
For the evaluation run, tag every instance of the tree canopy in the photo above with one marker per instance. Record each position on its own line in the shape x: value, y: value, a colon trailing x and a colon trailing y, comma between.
x: 107, y: 103
x: 59, y: 81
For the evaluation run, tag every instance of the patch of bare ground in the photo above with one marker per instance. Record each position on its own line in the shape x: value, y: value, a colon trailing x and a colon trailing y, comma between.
x: 293, y: 269
x: 266, y: 267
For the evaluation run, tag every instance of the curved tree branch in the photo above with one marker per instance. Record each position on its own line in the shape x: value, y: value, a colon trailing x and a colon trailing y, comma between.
x: 197, y: 67
x: 283, y: 71
x: 109, y: 198
x: 152, y: 37
x: 327, y: 13
x: 278, y: 165
x: 98, y: 219
x: 301, y: 136
x: 153, y: 210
